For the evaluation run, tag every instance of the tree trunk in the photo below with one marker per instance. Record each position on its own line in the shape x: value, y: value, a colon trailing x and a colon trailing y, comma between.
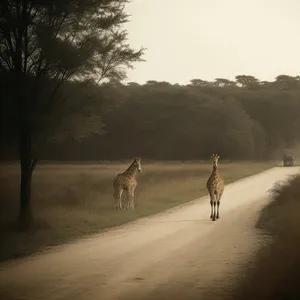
x: 28, y: 164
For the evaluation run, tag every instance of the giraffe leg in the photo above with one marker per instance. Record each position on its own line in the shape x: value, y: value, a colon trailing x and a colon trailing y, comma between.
x: 130, y: 195
x: 127, y: 207
x: 211, y: 208
x: 218, y: 207
x: 132, y: 200
x: 120, y: 200
x: 122, y: 207
x: 214, y: 213
x: 118, y: 195
x: 218, y: 204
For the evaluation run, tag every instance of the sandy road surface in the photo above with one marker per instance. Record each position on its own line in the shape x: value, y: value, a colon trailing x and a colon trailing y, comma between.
x: 179, y: 254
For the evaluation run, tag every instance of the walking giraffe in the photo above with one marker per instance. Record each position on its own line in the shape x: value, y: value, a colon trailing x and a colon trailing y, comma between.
x: 126, y: 181
x: 215, y: 186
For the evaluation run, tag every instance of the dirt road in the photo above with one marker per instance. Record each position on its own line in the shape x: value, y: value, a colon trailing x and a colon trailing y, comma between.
x: 179, y: 254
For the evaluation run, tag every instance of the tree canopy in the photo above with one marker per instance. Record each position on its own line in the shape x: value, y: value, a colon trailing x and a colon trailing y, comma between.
x: 45, y: 43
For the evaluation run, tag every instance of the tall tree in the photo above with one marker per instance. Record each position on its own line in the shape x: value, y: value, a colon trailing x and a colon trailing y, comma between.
x: 45, y: 43
x: 199, y: 82
x: 247, y: 81
x: 222, y: 82
x: 286, y: 82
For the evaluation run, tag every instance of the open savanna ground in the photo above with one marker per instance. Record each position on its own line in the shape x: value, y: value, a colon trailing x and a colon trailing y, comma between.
x: 71, y: 200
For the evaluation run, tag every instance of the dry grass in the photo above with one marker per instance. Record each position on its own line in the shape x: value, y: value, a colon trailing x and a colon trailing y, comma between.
x: 72, y: 200
x: 276, y: 272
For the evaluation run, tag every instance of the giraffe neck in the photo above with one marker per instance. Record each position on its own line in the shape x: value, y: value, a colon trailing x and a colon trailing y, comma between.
x: 214, y: 170
x: 131, y: 170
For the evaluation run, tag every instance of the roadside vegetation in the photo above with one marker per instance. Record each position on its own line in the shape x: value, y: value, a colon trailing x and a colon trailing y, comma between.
x: 276, y: 271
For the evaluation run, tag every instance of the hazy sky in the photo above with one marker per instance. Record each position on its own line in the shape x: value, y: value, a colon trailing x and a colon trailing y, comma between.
x: 207, y: 39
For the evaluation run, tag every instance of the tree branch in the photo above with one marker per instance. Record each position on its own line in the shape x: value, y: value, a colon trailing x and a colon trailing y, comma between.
x: 6, y: 61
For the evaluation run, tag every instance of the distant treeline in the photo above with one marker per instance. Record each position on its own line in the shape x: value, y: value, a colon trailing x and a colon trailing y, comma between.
x: 241, y: 119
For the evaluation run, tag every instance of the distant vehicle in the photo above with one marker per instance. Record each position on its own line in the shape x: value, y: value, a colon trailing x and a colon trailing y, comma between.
x: 288, y: 160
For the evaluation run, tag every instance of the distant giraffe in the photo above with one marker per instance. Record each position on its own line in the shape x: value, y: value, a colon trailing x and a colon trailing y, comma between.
x: 215, y: 186
x: 126, y: 181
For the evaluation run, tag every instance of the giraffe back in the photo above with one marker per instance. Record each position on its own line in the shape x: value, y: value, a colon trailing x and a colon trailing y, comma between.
x: 125, y: 181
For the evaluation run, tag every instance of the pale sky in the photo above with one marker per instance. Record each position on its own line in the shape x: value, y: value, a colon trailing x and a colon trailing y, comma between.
x: 209, y: 39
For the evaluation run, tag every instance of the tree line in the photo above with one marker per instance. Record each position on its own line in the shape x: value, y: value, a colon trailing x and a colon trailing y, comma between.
x: 241, y: 119
x: 244, y: 119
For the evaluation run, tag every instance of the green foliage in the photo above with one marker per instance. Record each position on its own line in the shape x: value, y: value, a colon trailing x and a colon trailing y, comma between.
x: 45, y: 43
x: 222, y: 82
x: 246, y: 81
x: 159, y: 120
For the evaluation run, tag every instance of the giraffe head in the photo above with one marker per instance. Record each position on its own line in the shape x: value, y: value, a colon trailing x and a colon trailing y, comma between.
x: 215, y: 158
x: 137, y: 163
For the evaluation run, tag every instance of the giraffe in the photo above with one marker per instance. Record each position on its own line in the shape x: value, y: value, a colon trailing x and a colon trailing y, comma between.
x: 126, y: 181
x: 215, y: 186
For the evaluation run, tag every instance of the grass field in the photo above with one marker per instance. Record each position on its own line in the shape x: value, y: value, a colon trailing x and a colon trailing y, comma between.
x: 276, y: 271
x: 71, y: 200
